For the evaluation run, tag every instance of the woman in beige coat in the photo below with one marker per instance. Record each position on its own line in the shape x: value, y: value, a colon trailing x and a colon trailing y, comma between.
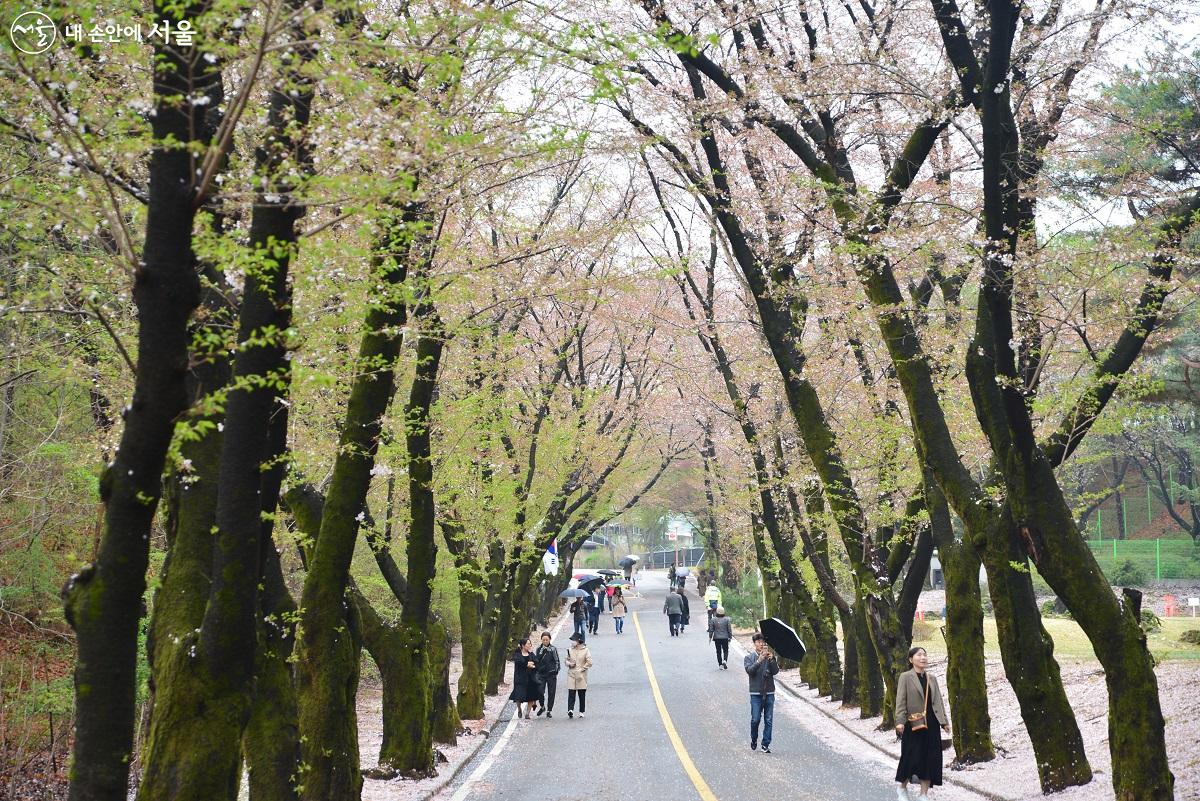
x: 579, y: 659
x: 917, y: 692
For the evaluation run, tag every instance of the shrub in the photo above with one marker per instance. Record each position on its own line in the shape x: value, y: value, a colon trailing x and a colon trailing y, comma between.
x: 1191, y: 636
x: 743, y: 605
x: 1128, y: 575
x: 923, y: 631
x: 1150, y: 621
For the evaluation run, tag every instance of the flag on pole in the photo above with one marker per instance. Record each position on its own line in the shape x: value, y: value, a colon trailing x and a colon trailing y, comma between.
x: 550, y: 558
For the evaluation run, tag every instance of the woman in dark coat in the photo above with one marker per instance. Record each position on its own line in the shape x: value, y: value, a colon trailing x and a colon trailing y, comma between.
x: 918, y: 692
x: 525, y: 688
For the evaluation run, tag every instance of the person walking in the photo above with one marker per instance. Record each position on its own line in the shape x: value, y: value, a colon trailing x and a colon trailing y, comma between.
x: 720, y: 631
x: 712, y: 599
x: 761, y: 667
x: 686, y: 616
x: 619, y: 610
x: 547, y: 673
x: 920, y: 712
x: 671, y: 576
x: 595, y: 607
x: 524, y: 689
x: 579, y: 661
x: 673, y: 609
x: 579, y: 615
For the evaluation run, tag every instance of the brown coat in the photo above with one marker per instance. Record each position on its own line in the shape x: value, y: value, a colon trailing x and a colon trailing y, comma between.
x: 910, y: 698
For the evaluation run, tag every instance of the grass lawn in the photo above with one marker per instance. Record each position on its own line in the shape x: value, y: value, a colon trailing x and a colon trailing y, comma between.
x: 1069, y: 640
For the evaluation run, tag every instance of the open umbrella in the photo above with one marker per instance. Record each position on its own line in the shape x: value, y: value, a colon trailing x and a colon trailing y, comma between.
x: 588, y: 584
x: 627, y: 562
x: 783, y: 638
x: 573, y: 592
x: 618, y: 582
x: 608, y: 571
x: 633, y: 556
x: 582, y: 577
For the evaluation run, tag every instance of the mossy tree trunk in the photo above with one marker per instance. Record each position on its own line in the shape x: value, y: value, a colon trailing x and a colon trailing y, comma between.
x: 966, y: 676
x: 415, y: 756
x: 194, y: 745
x: 870, y: 681
x: 327, y: 649
x: 471, y: 596
x: 446, y: 721
x: 103, y: 601
x: 271, y: 741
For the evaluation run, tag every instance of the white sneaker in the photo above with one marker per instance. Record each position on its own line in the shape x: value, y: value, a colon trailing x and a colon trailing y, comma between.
x: 580, y: 714
x: 901, y: 794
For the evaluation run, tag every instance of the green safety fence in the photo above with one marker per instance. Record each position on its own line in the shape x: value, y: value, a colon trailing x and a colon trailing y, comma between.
x: 1156, y: 559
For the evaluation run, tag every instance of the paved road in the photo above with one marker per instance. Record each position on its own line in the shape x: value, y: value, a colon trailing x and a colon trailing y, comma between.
x: 625, y: 748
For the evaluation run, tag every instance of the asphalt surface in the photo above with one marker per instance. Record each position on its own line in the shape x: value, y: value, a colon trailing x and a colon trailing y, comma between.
x: 623, y: 750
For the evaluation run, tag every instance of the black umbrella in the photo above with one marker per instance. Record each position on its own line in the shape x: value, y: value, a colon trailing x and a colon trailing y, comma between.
x: 608, y: 571
x: 627, y: 562
x: 573, y: 592
x: 783, y: 638
x: 587, y: 584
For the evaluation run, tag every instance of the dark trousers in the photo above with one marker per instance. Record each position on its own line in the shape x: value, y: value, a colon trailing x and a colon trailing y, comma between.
x: 579, y: 623
x: 674, y: 618
x: 582, y: 700
x: 722, y: 651
x: 594, y: 620
x: 548, y: 690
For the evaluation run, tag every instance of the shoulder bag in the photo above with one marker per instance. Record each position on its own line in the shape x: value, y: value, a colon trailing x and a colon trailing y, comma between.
x: 916, y: 720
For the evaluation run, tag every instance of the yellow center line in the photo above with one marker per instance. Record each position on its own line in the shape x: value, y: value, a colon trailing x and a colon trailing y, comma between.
x: 706, y: 793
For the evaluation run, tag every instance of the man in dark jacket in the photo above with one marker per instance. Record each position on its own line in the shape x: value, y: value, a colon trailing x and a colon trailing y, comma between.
x: 761, y: 667
x: 673, y: 609
x: 595, y: 607
x: 685, y: 617
x: 548, y: 666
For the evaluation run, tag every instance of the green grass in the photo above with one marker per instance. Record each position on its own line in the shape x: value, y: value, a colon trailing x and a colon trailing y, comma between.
x: 1069, y: 639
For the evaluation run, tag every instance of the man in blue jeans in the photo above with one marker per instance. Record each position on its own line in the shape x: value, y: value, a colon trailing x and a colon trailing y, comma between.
x: 761, y: 667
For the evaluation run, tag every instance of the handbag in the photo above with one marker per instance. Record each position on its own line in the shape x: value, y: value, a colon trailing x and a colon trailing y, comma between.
x: 916, y: 720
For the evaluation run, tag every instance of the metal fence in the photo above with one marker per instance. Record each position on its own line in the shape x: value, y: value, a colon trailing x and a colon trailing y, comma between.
x: 1156, y: 559
x: 688, y: 557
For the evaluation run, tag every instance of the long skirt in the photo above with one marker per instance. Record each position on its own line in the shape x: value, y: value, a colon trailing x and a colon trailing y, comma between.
x: 921, y: 752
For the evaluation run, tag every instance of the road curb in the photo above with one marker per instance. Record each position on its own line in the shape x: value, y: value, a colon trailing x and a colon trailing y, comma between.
x: 483, y: 735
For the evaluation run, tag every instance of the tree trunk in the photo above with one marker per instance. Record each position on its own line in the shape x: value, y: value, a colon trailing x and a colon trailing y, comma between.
x: 271, y: 742
x: 103, y: 601
x: 1027, y: 652
x: 446, y: 721
x: 471, y: 594
x: 966, y: 676
x: 415, y: 756
x: 1135, y: 723
x: 850, y: 669
x: 208, y: 718
x: 384, y: 644
x: 327, y: 650
x: 870, y: 681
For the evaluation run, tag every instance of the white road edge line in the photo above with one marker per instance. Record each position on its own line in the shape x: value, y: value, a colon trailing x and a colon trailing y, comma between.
x: 465, y: 788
